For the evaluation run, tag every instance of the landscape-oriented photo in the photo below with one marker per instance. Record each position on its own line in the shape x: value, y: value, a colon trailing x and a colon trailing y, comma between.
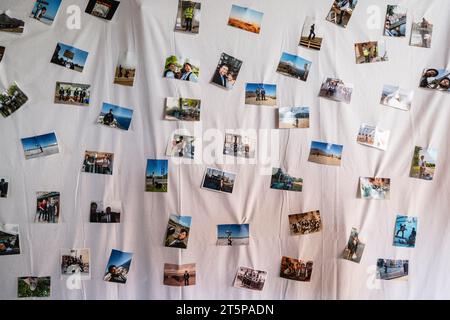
x: 249, y: 278
x: 69, y: 57
x: 261, y: 94
x: 341, y: 12
x: 395, y: 22
x: 10, y: 24
x: 104, y: 9
x: 309, y: 39
x: 156, y: 176
x: 218, y: 180
x: 396, y: 97
x: 115, y: 117
x: 305, y: 223
x: 389, y: 269
x: 233, y: 234
x: 423, y: 163
x: 238, y: 145
x: 293, y: 117
x: 294, y: 66
x: 40, y: 146
x: 38, y: 287
x: 45, y: 10
x: 245, y: 19
x: 188, y: 17
x: 355, y: 248
x: 9, y: 239
x: 72, y: 93
x: 373, y: 136
x: 126, y: 69
x: 105, y: 212
x: 179, y: 275
x: 282, y: 181
x: 98, y: 162
x: 294, y: 269
x: 118, y: 266
x: 177, y: 233
x: 181, y: 68
x: 421, y: 34
x: 11, y: 100
x: 372, y: 51
x: 183, y: 109
x: 181, y: 146
x: 337, y: 90
x: 436, y: 79
x: 325, y: 153
x: 375, y: 188
x: 405, y: 231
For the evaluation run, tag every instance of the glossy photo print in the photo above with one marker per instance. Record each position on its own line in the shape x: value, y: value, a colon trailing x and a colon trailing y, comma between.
x: 261, y: 94
x: 33, y: 287
x: 423, y: 163
x: 156, y: 176
x: 45, y: 10
x: 233, y: 234
x: 389, y: 269
x: 294, y: 269
x: 305, y: 223
x: 218, y: 180
x: 182, y: 109
x: 98, y: 162
x: 311, y: 36
x: 395, y: 22
x: 177, y: 233
x: 421, y: 33
x: 181, y: 68
x: 373, y: 136
x: 118, y: 266
x: 436, y: 79
x: 283, y: 181
x: 48, y: 207
x: 245, y: 19
x: 115, y: 117
x: 341, y: 12
x: 239, y: 145
x: 11, y: 100
x: 405, y: 231
x: 337, y: 90
x: 248, y: 278
x: 40, y: 146
x: 354, y: 249
x: 9, y: 239
x: 294, y: 66
x: 375, y: 188
x: 188, y: 17
x: 227, y: 71
x: 105, y: 212
x: 69, y: 57
x: 126, y: 69
x: 368, y: 52
x: 179, y: 275
x: 181, y: 146
x: 325, y: 153
x: 293, y: 117
x: 72, y: 93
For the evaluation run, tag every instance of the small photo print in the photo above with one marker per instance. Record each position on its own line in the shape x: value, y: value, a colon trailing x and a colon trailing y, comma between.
x: 388, y: 269
x: 395, y: 22
x: 9, y: 239
x: 9, y: 23
x: 293, y: 117
x: 69, y: 57
x: 367, y: 52
x: 337, y: 90
x: 308, y: 38
x: 98, y: 162
x: 261, y: 94
x: 188, y: 17
x: 72, y: 93
x: 45, y: 11
x: 325, y: 153
x: 305, y: 223
x: 405, y: 231
x: 37, y: 287
x: 2, y: 52
x: 179, y: 275
x: 436, y: 79
x: 396, y: 97
x: 104, y: 9
x: 355, y: 248
x: 373, y: 136
x: 294, y: 269
x: 48, y: 207
x: 245, y: 19
x: 75, y: 262
x: 233, y: 234
x: 40, y: 146
x: 341, y: 12
x: 182, y: 109
x: 239, y: 146
x: 108, y: 212
x: 375, y: 188
x: 118, y: 266
x: 421, y: 34
x: 115, y: 117
x: 226, y: 71
x: 294, y: 66
x: 283, y: 181
x: 126, y: 69
x: 156, y: 176
x: 178, y: 228
x: 4, y: 185
x: 11, y: 100
x: 218, y: 180
x: 181, y: 146
x: 181, y: 68
x: 423, y: 163
x: 249, y: 278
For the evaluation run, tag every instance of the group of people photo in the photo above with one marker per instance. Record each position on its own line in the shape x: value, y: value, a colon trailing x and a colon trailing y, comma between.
x: 48, y: 207
x: 98, y: 162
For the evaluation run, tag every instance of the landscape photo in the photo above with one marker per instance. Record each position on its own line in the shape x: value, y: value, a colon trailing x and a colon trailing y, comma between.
x: 40, y: 146
x: 245, y: 19
x: 218, y: 180
x: 156, y: 176
x: 294, y: 66
x: 293, y: 117
x: 261, y: 94
x: 283, y: 181
x: 11, y: 100
x: 179, y: 275
x: 233, y: 234
x: 69, y: 57
x: 325, y: 153
x: 115, y: 117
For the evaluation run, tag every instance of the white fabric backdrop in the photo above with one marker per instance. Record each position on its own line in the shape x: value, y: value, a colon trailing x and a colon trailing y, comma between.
x: 146, y: 26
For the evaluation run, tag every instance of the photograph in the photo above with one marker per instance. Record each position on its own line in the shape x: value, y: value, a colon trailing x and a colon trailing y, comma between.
x: 37, y: 287
x: 69, y: 57
x: 396, y: 97
x: 423, y: 163
x: 40, y: 146
x: 388, y: 269
x: 249, y: 278
x: 48, y: 207
x: 421, y: 34
x: 373, y: 51
x: 373, y: 136
x: 294, y: 269
x: 105, y: 212
x: 405, y: 231
x: 98, y: 162
x: 179, y: 275
x: 9, y: 239
x: 355, y: 248
x: 181, y: 68
x: 218, y: 180
x: 283, y: 181
x: 104, y: 9
x: 75, y: 262
x: 293, y: 117
x: 156, y: 176
x: 294, y: 66
x: 395, y: 22
x: 72, y: 93
x: 126, y: 69
x: 245, y: 19
x: 305, y: 223
x: 11, y: 24
x: 2, y: 53
x: 436, y: 79
x: 375, y: 188
x: 337, y: 90
x: 118, y: 266
x: 181, y: 146
x: 188, y: 17
x: 12, y: 99
x: 239, y: 146
x: 309, y: 38
x: 325, y: 153
x: 115, y: 117
x: 4, y: 184
x: 45, y: 10
x: 226, y: 71
x: 341, y: 12
x: 261, y: 94
x: 233, y: 234
x: 177, y: 233
x: 183, y: 109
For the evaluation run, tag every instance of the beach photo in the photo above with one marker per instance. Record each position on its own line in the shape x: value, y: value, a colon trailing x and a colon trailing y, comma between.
x: 239, y: 146
x: 227, y: 71
x: 40, y: 146
x: 69, y: 57
x: 293, y: 117
x: 249, y: 278
x: 337, y: 90
x: 294, y: 269
x: 11, y: 24
x: 181, y: 68
x: 396, y: 97
x: 245, y: 19
x: 395, y: 22
x: 341, y: 12
x: 436, y: 79
x: 75, y: 262
x: 98, y: 162
x: 36, y: 287
x: 9, y: 239
x: 179, y: 275
x: 104, y: 9
x: 305, y: 223
x: 423, y: 163
x: 421, y: 34
x: 181, y: 146
x: 115, y: 117
x: 405, y: 231
x: 4, y: 185
x: 218, y: 180
x: 355, y: 248
x: 177, y: 233
x: 325, y: 153
x: 45, y: 10
x: 309, y: 38
x: 375, y: 188
x: 156, y: 175
x: 72, y: 93
x: 373, y: 136
x: 105, y: 212
x: 283, y: 181
x: 118, y: 266
x: 182, y: 109
x: 188, y: 17
x: 261, y: 94
x: 11, y: 100
x: 126, y: 69
x: 368, y: 52
x: 233, y: 234
x: 294, y: 66
x: 389, y: 269
x: 48, y: 207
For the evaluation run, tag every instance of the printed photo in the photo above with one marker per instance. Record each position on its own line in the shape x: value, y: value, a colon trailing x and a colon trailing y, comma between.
x: 108, y: 212
x: 294, y: 66
x: 72, y: 93
x: 4, y: 184
x: 126, y: 69
x: 341, y: 12
x: 104, y: 9
x: 436, y: 79
x: 373, y: 51
x: 396, y: 97
x: 283, y: 181
x: 115, y: 117
x: 325, y: 153
x: 239, y: 146
x: 38, y: 287
x: 9, y: 239
x: 179, y: 275
x: 178, y: 228
x: 249, y: 278
x: 308, y: 38
x: 375, y: 188
x: 388, y: 269
x: 2, y: 53
x: 181, y: 146
x: 355, y: 248
x: 40, y: 146
x: 337, y: 90
x: 218, y: 180
x: 405, y: 231
x: 156, y: 176
x: 69, y: 57
x: 188, y: 16
x: 98, y: 162
x: 373, y: 136
x: 183, y: 109
x: 45, y: 10
x: 293, y: 117
x: 421, y: 34
x: 75, y: 262
x: 226, y: 71
x: 11, y: 100
x: 233, y: 234
x: 181, y: 68
x: 245, y: 19
x: 118, y: 266
x: 11, y: 24
x: 294, y: 269
x: 305, y: 223
x: 423, y: 163
x: 48, y: 207
x: 395, y: 22
x: 261, y: 94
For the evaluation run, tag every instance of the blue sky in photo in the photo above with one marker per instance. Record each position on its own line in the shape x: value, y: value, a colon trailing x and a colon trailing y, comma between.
x: 117, y: 111
x: 246, y: 14
x: 79, y: 58
x: 228, y: 175
x: 159, y: 167
x: 290, y: 112
x: 270, y: 88
x: 238, y: 230
x: 119, y: 258
x: 299, y: 62
x: 335, y: 149
x: 52, y: 8
x: 185, y: 221
x: 44, y: 140
x: 430, y: 155
x: 411, y: 222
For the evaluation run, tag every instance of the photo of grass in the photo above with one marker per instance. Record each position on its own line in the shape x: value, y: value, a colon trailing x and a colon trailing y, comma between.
x: 156, y: 176
x: 38, y: 287
x: 423, y: 163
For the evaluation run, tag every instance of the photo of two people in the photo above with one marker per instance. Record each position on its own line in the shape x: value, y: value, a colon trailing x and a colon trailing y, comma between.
x: 226, y: 71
